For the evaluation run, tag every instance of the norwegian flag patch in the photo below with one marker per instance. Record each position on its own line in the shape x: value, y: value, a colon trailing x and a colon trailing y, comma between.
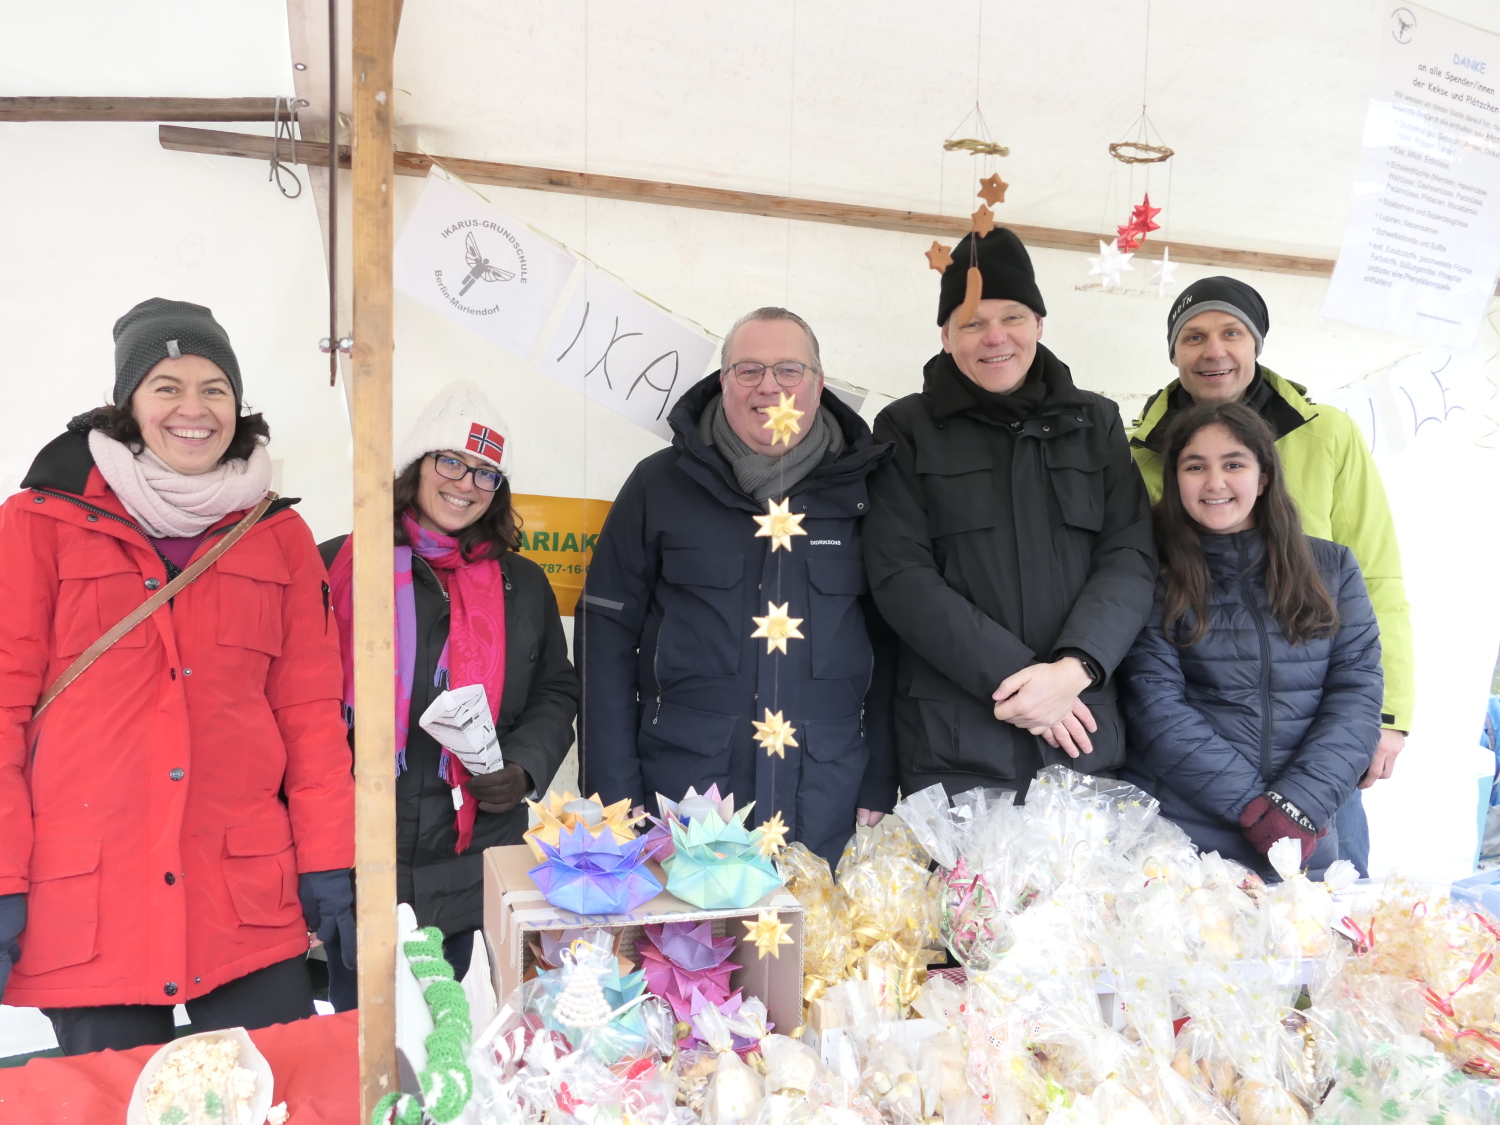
x: 485, y: 442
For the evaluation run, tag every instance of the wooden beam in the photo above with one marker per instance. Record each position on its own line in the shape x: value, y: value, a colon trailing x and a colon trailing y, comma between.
x: 139, y: 109
x: 374, y: 612
x: 740, y: 202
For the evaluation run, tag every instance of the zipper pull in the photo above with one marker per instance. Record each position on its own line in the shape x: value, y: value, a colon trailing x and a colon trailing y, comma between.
x: 657, y: 716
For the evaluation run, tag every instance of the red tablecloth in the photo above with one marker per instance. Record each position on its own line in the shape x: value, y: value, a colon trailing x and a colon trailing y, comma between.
x: 315, y: 1061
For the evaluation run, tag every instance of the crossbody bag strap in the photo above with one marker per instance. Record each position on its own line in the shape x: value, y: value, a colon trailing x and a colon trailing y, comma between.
x: 150, y: 606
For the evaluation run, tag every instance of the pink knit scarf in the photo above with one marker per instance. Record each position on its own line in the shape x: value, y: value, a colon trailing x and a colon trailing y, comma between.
x: 173, y: 505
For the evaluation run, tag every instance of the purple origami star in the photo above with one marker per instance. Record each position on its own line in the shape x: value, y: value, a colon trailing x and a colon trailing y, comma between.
x: 680, y: 957
x: 590, y: 874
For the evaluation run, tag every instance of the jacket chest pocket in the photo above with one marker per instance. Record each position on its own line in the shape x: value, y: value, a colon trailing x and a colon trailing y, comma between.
x: 62, y: 909
x: 252, y: 585
x: 98, y: 587
x: 703, y: 622
x: 840, y: 644
x: 958, y: 485
x: 261, y: 873
x: 1077, y: 475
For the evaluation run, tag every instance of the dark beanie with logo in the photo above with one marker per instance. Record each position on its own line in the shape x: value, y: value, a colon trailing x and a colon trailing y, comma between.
x: 1005, y: 267
x: 1219, y: 294
x: 160, y: 329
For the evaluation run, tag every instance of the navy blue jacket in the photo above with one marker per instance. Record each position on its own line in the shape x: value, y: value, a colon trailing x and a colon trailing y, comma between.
x: 1213, y: 726
x: 672, y: 677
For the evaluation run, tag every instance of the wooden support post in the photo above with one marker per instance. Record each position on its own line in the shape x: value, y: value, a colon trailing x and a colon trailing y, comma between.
x: 374, y: 613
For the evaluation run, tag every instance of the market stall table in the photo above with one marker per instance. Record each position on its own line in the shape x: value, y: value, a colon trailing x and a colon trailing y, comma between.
x: 315, y: 1061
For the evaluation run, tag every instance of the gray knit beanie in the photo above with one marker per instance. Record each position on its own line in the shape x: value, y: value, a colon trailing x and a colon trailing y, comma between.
x: 158, y: 329
x: 1219, y: 294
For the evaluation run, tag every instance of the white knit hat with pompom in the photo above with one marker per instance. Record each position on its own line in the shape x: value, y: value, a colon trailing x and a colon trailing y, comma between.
x: 461, y: 419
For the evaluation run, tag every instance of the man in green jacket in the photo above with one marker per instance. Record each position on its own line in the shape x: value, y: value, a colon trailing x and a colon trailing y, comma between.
x: 1214, y: 335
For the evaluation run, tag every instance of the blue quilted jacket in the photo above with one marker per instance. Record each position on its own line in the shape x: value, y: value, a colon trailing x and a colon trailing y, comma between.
x: 1212, y: 727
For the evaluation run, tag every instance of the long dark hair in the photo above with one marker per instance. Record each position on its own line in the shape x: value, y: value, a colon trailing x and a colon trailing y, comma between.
x: 1299, y: 599
x: 499, y: 528
x: 117, y: 422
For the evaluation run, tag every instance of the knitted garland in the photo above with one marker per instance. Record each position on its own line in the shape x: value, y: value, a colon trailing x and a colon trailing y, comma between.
x: 447, y: 1083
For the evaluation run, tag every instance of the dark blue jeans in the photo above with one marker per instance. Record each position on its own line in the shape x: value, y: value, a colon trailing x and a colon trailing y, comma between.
x: 343, y: 983
x: 1354, y: 833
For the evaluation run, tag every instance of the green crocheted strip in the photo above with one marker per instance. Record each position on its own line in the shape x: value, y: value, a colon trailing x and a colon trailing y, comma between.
x: 447, y: 1083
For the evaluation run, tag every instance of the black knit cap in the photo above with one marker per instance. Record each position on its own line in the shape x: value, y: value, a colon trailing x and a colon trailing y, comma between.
x: 1005, y: 267
x: 157, y: 329
x: 1219, y: 294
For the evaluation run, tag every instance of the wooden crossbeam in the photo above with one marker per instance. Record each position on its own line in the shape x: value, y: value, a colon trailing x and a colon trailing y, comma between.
x: 220, y: 143
x: 139, y: 109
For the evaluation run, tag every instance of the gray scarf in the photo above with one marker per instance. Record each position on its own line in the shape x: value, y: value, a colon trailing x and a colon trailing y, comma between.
x: 765, y: 477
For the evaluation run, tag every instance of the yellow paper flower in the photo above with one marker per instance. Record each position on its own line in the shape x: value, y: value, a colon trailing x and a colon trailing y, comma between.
x: 768, y: 933
x: 781, y: 420
x: 553, y: 818
x: 779, y: 525
x: 775, y: 734
x: 777, y: 628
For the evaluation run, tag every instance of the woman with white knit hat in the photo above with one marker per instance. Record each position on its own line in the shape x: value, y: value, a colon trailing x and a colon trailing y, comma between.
x: 469, y: 610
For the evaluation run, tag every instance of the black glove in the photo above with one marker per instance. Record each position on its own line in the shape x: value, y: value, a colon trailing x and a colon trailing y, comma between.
x: 12, y: 922
x: 501, y: 791
x: 328, y: 905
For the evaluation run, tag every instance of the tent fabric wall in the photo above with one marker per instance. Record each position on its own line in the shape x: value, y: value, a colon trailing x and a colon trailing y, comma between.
x: 813, y: 99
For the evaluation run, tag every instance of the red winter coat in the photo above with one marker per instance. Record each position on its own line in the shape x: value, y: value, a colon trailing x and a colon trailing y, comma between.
x: 180, y: 785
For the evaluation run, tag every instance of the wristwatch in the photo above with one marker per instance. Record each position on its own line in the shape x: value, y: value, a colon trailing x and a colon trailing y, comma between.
x: 1090, y: 665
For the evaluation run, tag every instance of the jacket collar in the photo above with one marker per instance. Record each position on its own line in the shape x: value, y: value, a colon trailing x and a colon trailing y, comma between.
x: 705, y: 464
x: 1282, y: 403
x: 943, y: 385
x: 1227, y: 553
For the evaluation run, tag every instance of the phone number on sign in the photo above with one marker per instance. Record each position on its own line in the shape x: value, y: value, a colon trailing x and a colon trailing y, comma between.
x: 563, y: 568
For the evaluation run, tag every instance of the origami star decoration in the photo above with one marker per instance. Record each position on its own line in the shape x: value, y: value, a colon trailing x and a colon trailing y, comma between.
x: 1161, y: 276
x: 780, y: 525
x: 769, y: 933
x: 984, y: 221
x: 939, y: 258
x: 781, y: 420
x: 553, y: 817
x: 776, y: 628
x: 775, y: 734
x: 680, y: 958
x: 1133, y: 233
x: 693, y: 805
x: 1109, y: 265
x: 717, y: 866
x: 590, y: 874
x: 772, y: 836
x: 992, y: 189
x: 736, y: 1024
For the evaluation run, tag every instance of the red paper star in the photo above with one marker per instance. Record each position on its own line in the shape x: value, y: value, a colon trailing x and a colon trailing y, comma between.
x: 1133, y: 233
x: 938, y: 257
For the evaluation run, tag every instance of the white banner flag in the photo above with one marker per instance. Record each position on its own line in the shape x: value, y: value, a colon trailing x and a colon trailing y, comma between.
x: 625, y: 351
x: 487, y: 270
x: 1422, y: 246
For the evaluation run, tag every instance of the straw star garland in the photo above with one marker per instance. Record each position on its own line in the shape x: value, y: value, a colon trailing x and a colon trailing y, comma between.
x: 781, y: 420
x: 779, y: 525
x: 772, y: 836
x: 768, y: 933
x: 775, y: 734
x: 776, y: 628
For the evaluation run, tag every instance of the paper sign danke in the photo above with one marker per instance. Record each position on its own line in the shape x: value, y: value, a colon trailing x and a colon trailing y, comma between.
x: 477, y: 265
x: 626, y: 352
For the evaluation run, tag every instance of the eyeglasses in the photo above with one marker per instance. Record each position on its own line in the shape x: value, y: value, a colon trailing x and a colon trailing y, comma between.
x: 750, y: 373
x: 451, y: 467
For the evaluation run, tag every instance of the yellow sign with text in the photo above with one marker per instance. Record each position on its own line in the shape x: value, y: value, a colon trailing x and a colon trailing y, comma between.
x: 558, y: 533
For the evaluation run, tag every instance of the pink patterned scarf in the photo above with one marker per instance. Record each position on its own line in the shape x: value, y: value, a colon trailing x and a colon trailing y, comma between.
x: 473, y: 654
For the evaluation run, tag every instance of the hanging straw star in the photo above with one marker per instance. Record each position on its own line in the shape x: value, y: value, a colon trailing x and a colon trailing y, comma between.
x: 779, y: 525
x: 772, y: 836
x: 775, y: 734
x: 776, y: 628
x: 781, y: 420
x: 768, y: 933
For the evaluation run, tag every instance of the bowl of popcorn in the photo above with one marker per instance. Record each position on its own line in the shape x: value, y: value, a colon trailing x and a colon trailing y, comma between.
x: 214, y: 1078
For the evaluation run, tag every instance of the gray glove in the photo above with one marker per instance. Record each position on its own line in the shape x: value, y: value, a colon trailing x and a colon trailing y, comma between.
x: 12, y: 922
x: 328, y: 905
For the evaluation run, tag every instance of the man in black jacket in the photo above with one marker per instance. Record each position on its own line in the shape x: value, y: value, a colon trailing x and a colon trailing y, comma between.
x: 1009, y: 545
x: 680, y: 686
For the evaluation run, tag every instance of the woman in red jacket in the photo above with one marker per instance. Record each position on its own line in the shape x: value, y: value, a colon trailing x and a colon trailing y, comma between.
x: 169, y: 821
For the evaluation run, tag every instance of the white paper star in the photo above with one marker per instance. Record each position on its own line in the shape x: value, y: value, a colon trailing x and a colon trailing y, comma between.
x: 1110, y: 263
x: 1161, y: 277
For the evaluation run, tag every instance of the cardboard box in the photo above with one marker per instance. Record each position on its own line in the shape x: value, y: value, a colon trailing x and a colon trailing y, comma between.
x: 515, y: 909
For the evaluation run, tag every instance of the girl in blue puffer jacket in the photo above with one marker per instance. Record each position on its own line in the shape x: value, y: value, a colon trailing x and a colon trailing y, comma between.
x: 1252, y: 696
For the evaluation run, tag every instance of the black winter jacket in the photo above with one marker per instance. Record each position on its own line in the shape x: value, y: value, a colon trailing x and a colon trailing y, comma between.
x: 1214, y: 726
x: 674, y: 677
x: 994, y: 545
x: 535, y: 728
